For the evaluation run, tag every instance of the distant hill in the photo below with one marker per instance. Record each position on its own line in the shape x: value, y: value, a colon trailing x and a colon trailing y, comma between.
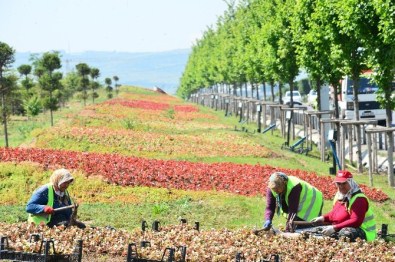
x: 161, y: 69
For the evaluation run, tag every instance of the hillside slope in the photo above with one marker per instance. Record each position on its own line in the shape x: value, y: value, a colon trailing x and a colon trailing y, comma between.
x: 147, y: 156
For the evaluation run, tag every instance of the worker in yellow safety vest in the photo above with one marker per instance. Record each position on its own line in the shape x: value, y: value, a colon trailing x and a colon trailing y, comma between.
x: 51, y: 204
x: 293, y: 197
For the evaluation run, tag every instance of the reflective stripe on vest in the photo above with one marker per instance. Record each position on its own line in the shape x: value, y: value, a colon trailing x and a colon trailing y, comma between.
x: 369, y: 223
x: 38, y: 218
x: 310, y: 200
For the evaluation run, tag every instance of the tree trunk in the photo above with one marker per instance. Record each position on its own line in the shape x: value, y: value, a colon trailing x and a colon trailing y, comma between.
x: 388, y: 109
x: 246, y: 92
x: 318, y: 83
x: 84, y: 95
x: 390, y: 151
x: 264, y: 91
x: 3, y: 104
x: 291, y: 89
x: 280, y: 92
x: 356, y: 78
x: 272, y: 89
x: 51, y: 114
x: 50, y: 108
x: 336, y: 99
x: 257, y: 91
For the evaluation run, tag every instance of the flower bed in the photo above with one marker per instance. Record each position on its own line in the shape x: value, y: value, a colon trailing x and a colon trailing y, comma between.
x: 241, y: 179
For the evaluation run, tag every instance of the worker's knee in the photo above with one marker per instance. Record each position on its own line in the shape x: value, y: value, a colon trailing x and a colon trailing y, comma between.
x: 79, y: 224
x: 352, y: 233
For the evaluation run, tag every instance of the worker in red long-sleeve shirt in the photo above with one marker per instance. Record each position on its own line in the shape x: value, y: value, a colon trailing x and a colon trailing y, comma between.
x: 351, y: 215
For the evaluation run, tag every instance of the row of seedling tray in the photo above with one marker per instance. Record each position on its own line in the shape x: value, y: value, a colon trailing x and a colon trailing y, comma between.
x: 169, y: 254
x: 46, y: 253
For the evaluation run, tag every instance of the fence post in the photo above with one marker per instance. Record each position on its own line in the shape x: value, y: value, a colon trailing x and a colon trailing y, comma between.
x: 370, y: 158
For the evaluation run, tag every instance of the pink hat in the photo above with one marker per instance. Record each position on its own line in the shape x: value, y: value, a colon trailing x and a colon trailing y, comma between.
x: 342, y: 176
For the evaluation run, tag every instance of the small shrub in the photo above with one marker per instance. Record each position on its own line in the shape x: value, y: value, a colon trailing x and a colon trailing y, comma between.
x: 160, y: 208
x: 32, y: 106
x: 170, y: 113
x: 129, y: 124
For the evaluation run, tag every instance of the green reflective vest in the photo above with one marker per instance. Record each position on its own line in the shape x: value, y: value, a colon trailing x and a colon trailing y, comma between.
x: 310, y: 200
x: 369, y: 223
x: 38, y: 218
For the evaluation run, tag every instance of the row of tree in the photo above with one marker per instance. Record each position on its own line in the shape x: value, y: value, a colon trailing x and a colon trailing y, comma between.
x: 42, y: 86
x: 269, y: 41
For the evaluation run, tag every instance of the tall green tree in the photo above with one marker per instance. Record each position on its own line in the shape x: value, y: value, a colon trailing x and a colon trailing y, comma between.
x: 26, y: 94
x: 49, y: 80
x: 256, y: 17
x: 83, y: 71
x: 94, y: 73
x: 71, y: 85
x: 286, y: 52
x: 116, y: 86
x: 269, y: 53
x: 6, y: 59
x: 312, y: 25
x: 108, y: 87
x: 25, y: 71
x: 381, y: 49
x: 353, y: 27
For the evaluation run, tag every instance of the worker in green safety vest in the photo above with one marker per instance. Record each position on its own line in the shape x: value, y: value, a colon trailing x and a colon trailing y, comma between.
x: 51, y: 204
x: 292, y: 197
x: 352, y: 215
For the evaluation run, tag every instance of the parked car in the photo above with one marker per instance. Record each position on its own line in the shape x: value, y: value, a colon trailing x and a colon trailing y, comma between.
x: 296, y: 97
x: 312, y: 97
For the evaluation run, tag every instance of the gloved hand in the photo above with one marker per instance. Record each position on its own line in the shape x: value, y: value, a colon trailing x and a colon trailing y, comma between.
x: 49, y: 210
x: 267, y: 225
x: 328, y: 230
x: 317, y: 220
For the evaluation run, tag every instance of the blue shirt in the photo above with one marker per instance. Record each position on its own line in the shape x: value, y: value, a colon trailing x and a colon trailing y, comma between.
x: 39, y: 200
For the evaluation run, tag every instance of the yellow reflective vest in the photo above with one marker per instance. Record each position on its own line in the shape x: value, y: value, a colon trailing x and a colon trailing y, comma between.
x: 369, y: 223
x: 310, y: 200
x: 39, y: 218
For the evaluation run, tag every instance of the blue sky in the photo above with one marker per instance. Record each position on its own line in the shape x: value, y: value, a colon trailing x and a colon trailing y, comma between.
x: 106, y: 25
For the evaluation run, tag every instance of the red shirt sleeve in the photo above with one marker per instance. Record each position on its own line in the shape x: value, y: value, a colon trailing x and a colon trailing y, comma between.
x: 341, y: 218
